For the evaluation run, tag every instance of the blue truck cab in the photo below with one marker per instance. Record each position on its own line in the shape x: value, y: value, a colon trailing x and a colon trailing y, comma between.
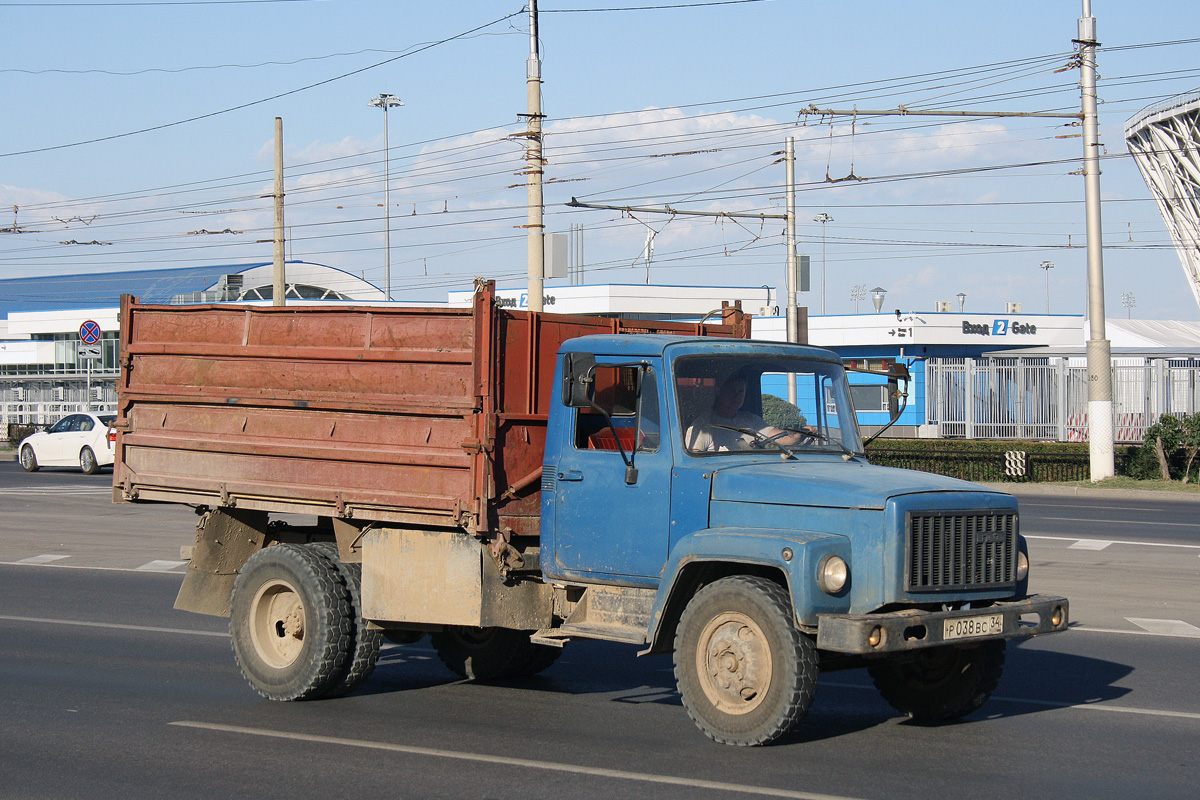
x: 712, y: 498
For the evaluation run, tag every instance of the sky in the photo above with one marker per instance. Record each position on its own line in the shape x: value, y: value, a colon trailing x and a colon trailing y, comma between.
x: 140, y: 135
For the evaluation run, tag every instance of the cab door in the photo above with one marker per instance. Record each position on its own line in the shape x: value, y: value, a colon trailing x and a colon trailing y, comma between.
x: 612, y: 518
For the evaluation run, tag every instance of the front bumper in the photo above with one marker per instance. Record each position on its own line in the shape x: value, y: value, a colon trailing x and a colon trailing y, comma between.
x: 912, y: 629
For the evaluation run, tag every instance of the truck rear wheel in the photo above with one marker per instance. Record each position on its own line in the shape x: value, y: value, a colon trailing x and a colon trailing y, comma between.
x: 940, y: 683
x: 291, y: 623
x: 366, y: 642
x: 485, y: 654
x: 746, y: 674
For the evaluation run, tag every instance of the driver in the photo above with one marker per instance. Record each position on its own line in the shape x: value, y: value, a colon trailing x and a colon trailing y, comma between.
x: 708, y: 432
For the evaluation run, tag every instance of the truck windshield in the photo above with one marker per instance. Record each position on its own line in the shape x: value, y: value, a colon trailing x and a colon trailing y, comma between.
x: 737, y: 403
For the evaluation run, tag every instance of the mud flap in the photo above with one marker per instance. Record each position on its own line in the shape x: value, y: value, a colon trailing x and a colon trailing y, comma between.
x: 225, y: 539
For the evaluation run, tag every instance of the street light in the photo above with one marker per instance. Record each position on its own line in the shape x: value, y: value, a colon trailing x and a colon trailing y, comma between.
x: 877, y: 298
x: 962, y: 298
x: 386, y: 101
x: 822, y: 218
x: 857, y: 292
x: 1129, y: 301
x: 1047, y: 265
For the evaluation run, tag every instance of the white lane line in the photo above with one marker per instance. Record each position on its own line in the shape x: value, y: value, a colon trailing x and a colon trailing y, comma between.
x: 82, y: 566
x: 1139, y: 523
x: 57, y: 492
x: 160, y: 566
x: 145, y: 628
x: 42, y: 559
x: 1089, y: 544
x: 1169, y: 627
x: 1108, y: 542
x: 1088, y: 706
x: 484, y: 758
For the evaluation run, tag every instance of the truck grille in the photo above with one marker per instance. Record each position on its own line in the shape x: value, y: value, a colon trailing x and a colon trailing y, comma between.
x: 961, y: 550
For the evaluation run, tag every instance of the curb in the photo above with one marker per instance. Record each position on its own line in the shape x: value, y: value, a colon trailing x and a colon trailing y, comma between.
x: 1042, y: 490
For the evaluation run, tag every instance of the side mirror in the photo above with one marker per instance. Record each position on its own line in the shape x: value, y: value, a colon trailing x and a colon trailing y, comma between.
x: 578, y: 379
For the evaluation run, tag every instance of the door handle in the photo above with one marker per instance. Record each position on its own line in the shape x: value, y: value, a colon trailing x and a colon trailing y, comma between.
x: 570, y: 475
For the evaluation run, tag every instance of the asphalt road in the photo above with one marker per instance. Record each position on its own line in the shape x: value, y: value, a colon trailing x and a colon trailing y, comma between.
x: 106, y: 691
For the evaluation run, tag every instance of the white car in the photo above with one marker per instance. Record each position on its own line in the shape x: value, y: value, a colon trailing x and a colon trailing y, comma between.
x: 86, y: 440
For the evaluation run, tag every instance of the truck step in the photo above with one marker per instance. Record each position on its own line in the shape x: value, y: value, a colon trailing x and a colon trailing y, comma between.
x: 556, y: 637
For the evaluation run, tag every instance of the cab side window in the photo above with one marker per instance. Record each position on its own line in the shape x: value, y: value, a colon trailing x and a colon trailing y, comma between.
x: 617, y: 393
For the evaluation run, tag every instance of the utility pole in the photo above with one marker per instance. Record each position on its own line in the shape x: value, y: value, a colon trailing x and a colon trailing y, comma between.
x: 533, y: 169
x: 1099, y: 350
x: 822, y: 218
x: 279, y: 284
x: 793, y: 313
x: 1047, y: 266
x: 386, y: 101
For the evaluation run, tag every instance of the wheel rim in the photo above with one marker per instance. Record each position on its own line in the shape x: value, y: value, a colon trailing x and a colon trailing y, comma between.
x: 277, y: 624
x: 734, y: 663
x: 86, y: 460
x: 26, y: 457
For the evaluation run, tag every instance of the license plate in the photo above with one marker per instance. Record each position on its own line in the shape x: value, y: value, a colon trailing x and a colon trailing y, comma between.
x: 970, y: 627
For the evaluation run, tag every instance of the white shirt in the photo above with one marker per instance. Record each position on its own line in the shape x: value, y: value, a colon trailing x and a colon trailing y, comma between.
x: 702, y: 436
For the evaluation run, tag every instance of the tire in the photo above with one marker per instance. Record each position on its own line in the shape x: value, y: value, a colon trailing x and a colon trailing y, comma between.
x: 366, y: 642
x: 939, y: 684
x: 28, y: 459
x: 485, y: 654
x: 745, y: 673
x: 291, y: 623
x: 87, y: 462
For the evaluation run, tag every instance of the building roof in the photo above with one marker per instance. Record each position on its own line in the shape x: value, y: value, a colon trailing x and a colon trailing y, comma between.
x: 101, y: 289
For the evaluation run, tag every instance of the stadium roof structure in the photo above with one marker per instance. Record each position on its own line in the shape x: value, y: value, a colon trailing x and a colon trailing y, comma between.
x: 1165, y: 142
x: 186, y: 284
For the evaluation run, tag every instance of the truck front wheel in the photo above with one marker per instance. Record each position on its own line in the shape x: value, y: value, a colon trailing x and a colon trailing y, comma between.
x: 485, y: 654
x: 940, y: 683
x: 746, y: 674
x: 291, y: 623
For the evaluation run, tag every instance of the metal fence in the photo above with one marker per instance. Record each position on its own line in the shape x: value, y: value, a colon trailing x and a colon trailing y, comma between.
x: 43, y: 400
x: 1046, y: 398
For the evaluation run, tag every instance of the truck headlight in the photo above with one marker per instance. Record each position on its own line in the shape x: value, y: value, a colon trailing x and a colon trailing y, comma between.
x: 832, y: 574
x: 1022, y: 566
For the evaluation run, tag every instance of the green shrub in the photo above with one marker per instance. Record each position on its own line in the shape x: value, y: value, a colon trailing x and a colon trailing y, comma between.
x: 780, y: 413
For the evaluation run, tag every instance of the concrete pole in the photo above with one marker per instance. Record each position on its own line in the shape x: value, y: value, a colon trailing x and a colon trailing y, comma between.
x: 793, y: 313
x: 279, y: 285
x: 1099, y: 350
x: 533, y: 156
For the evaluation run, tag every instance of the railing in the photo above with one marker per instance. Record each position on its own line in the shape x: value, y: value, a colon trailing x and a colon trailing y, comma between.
x: 1045, y: 399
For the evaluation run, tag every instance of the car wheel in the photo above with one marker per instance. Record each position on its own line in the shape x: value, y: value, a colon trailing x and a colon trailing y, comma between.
x: 87, y: 462
x: 28, y: 459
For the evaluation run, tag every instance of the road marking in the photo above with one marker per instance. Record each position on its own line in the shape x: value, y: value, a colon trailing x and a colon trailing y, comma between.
x: 42, y: 559
x: 160, y: 566
x: 1169, y: 627
x: 83, y: 566
x: 1139, y: 523
x: 1093, y: 705
x: 551, y: 766
x: 1108, y: 542
x: 58, y: 492
x: 145, y: 628
x: 1089, y: 544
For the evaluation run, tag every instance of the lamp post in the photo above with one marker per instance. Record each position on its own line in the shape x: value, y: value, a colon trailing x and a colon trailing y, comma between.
x: 857, y: 292
x: 386, y: 101
x: 962, y: 298
x: 1129, y: 301
x: 1047, y: 265
x: 822, y: 218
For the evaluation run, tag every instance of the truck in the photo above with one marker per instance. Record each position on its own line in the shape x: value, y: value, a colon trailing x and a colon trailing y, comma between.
x: 505, y: 481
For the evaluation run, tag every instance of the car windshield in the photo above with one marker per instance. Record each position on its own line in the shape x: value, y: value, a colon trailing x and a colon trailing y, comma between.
x: 734, y: 403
